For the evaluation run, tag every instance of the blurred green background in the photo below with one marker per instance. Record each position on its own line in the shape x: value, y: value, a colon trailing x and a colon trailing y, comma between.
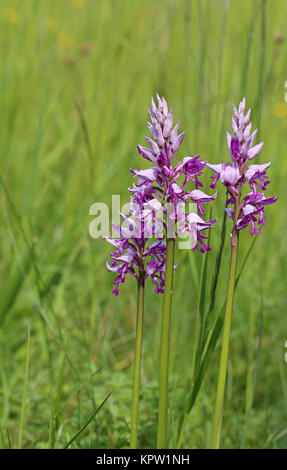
x: 76, y: 80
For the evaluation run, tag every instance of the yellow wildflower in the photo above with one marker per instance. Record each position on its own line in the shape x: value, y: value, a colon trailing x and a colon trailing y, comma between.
x: 65, y: 40
x: 13, y: 16
x: 280, y: 110
x: 79, y: 3
x: 52, y: 24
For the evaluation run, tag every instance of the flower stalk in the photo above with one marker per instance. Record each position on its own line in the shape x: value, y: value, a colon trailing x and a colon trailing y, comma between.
x: 137, y: 363
x: 250, y: 211
x: 158, y: 202
x: 226, y: 335
x: 164, y: 347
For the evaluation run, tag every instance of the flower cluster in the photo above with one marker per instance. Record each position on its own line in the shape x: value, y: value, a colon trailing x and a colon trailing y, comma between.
x: 134, y: 254
x: 234, y: 175
x: 160, y: 183
x: 158, y: 191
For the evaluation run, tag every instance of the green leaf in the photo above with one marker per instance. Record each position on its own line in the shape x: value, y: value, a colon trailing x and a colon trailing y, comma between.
x: 13, y: 285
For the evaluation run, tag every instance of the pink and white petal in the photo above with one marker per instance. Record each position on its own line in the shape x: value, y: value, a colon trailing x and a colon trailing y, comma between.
x: 254, y: 151
x: 154, y: 204
x: 235, y: 112
x: 149, y: 174
x: 176, y: 188
x: 229, y: 212
x: 242, y: 104
x: 177, y: 141
x: 248, y: 209
x: 247, y: 130
x: 247, y: 116
x: 234, y: 125
x: 252, y: 137
x: 153, y: 145
x: 229, y: 137
x: 167, y: 125
x: 174, y: 132
x: 114, y: 269
x: 193, y: 218
x: 253, y: 169
x: 164, y: 106
x: 147, y: 153
x: 217, y: 168
x: 199, y: 196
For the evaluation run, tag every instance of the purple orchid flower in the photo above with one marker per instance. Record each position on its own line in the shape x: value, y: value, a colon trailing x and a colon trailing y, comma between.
x: 136, y: 255
x: 234, y: 175
x: 162, y: 179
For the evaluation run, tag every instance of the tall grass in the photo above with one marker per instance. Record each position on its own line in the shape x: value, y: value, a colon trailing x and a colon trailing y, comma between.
x: 74, y: 93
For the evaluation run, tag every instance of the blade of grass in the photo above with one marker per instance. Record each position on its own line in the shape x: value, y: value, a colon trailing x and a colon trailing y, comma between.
x: 39, y: 137
x: 225, y: 343
x: 86, y: 138
x: 87, y: 422
x: 13, y: 286
x: 262, y: 63
x: 217, y: 265
x: 24, y: 398
x: 209, y: 347
x: 2, y: 438
x: 200, y: 317
x: 245, y: 259
x: 250, y: 360
x: 250, y: 403
x: 249, y: 44
x: 162, y: 429
x: 39, y: 281
x: 8, y: 439
x: 55, y: 411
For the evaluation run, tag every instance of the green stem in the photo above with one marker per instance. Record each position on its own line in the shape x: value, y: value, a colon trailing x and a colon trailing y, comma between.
x: 24, y: 398
x: 250, y: 363
x: 182, y: 429
x: 226, y: 337
x: 137, y: 363
x: 164, y: 347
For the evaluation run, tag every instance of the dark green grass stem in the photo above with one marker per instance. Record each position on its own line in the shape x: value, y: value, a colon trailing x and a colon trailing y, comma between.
x: 137, y: 364
x: 87, y: 422
x: 226, y: 337
x: 164, y: 347
x: 24, y: 398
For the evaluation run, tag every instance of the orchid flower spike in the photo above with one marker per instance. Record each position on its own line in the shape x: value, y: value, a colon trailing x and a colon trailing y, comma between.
x: 136, y: 255
x: 238, y: 174
x: 166, y: 182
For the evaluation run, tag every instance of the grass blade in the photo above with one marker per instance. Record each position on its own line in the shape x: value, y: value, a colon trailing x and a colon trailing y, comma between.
x: 245, y: 260
x: 201, y: 320
x: 14, y: 284
x: 2, y: 439
x: 23, y: 408
x: 87, y: 422
x: 210, y: 346
x: 55, y: 412
x: 210, y: 342
x: 217, y: 265
x: 243, y: 440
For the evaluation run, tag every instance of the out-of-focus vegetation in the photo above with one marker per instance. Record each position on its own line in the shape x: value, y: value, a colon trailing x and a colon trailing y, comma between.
x: 76, y: 80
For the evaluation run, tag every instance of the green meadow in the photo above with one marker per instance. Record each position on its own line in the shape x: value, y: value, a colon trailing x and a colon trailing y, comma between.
x: 76, y: 81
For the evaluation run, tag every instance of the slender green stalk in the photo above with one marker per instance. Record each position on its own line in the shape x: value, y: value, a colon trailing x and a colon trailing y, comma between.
x: 87, y: 422
x: 182, y: 429
x: 24, y: 398
x: 164, y: 347
x: 250, y: 362
x: 55, y: 411
x: 137, y: 364
x: 225, y: 338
